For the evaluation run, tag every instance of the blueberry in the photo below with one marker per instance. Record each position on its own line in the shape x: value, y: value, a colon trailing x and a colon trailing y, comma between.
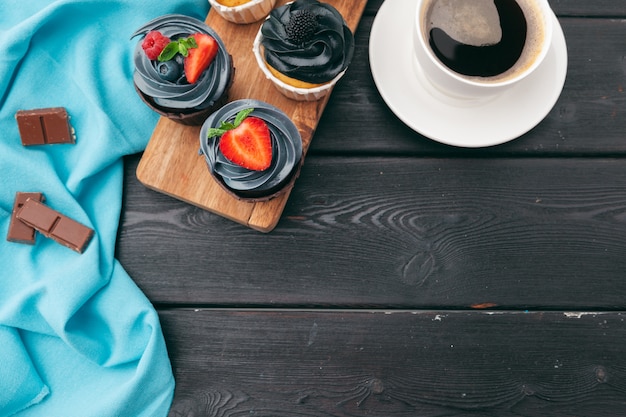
x: 169, y: 70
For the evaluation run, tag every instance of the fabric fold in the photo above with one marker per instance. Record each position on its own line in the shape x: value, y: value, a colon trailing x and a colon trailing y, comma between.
x: 19, y: 381
x: 77, y: 336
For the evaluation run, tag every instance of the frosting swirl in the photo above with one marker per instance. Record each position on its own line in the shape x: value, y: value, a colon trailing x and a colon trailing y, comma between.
x: 181, y: 95
x: 326, y: 51
x: 286, y: 151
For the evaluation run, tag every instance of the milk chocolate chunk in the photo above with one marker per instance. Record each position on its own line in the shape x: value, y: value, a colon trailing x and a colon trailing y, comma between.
x: 52, y: 224
x: 19, y: 231
x: 44, y: 126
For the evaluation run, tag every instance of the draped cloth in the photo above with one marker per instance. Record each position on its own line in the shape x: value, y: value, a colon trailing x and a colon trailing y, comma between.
x: 77, y: 336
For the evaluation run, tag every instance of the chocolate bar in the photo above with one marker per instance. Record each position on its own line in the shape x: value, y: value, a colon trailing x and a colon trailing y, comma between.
x: 44, y: 126
x: 55, y: 225
x: 19, y: 231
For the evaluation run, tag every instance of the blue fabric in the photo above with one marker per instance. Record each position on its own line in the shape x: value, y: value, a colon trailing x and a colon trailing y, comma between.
x: 77, y: 336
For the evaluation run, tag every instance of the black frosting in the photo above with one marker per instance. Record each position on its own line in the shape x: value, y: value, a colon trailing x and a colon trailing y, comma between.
x: 182, y: 96
x: 318, y: 60
x: 286, y: 151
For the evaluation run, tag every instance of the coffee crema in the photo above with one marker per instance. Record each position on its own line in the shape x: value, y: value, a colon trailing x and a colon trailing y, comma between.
x: 489, y: 40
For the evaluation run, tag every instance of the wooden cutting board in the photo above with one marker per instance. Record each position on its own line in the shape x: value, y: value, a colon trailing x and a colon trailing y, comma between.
x: 171, y: 164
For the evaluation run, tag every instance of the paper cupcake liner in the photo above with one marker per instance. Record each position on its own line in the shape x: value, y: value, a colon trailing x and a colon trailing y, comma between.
x: 250, y: 12
x: 188, y: 118
x: 289, y: 91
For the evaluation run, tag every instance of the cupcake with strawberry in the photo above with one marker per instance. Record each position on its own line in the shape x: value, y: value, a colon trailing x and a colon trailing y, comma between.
x: 252, y: 149
x: 242, y: 11
x: 304, y: 48
x: 182, y: 68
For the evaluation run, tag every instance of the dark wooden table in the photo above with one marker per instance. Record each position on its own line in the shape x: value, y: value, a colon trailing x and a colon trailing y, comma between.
x: 408, y: 278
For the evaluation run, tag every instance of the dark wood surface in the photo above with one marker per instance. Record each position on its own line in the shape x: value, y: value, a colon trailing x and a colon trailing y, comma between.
x: 409, y: 278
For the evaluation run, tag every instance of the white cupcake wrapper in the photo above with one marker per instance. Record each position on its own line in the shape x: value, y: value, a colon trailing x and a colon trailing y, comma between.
x: 250, y: 12
x: 289, y: 91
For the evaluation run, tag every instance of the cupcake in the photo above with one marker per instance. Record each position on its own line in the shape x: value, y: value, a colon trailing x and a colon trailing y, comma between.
x: 252, y: 149
x: 304, y: 48
x: 182, y: 68
x: 242, y: 11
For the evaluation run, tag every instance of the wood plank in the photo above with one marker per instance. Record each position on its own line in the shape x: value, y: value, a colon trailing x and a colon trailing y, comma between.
x: 579, y: 8
x: 401, y: 364
x: 171, y: 163
x: 589, y: 117
x: 398, y: 232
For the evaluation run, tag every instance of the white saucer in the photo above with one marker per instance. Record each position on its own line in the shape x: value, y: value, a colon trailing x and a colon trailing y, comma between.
x: 452, y: 121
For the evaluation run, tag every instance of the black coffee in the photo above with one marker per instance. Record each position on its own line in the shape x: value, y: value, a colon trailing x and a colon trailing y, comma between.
x: 481, y: 38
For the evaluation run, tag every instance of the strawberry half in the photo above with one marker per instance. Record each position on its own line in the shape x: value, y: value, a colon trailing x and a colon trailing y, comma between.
x: 248, y: 145
x: 201, y: 57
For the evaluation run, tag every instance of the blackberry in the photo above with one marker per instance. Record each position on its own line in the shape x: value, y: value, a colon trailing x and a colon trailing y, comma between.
x: 301, y: 26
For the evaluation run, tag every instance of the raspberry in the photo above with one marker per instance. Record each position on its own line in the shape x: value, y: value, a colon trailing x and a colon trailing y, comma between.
x: 153, y: 44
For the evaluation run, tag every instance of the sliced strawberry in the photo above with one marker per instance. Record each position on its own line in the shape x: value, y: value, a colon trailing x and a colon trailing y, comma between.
x: 201, y: 57
x: 154, y: 43
x: 248, y: 145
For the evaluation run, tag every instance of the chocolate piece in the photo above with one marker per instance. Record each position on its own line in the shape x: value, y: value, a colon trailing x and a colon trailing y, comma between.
x: 19, y: 231
x: 55, y: 225
x: 44, y: 126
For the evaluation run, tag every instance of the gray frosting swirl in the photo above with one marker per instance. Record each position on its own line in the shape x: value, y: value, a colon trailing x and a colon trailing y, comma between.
x: 182, y: 95
x: 286, y: 151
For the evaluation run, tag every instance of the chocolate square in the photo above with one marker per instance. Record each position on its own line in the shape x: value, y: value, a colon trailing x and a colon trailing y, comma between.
x: 44, y: 126
x: 19, y: 231
x: 56, y: 226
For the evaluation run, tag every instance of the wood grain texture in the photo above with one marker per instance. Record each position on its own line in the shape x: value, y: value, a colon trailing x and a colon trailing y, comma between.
x: 589, y: 117
x: 407, y: 278
x: 400, y: 364
x: 401, y: 233
x: 578, y: 8
x: 171, y: 163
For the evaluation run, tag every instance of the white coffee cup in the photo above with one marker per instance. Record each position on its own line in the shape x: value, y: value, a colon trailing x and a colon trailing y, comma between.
x: 539, y: 20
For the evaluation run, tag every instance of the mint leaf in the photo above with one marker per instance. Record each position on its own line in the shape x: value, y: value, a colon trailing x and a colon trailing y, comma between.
x: 226, y: 126
x: 242, y: 115
x: 169, y: 52
x: 213, y: 132
x: 190, y: 42
x: 179, y: 46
